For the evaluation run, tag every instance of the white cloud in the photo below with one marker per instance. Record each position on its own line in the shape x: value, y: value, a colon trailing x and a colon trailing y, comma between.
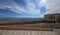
x: 30, y: 6
x: 12, y: 6
x: 2, y: 14
x: 53, y: 6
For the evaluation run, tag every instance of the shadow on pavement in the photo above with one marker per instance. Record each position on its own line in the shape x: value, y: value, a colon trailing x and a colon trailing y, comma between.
x: 57, y: 31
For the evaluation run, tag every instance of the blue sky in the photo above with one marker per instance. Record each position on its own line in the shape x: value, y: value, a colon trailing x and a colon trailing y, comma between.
x: 22, y: 8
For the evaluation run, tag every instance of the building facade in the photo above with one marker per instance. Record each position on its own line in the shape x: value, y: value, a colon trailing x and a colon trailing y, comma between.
x: 52, y: 18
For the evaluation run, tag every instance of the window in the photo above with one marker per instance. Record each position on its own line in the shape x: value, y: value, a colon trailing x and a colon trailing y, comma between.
x: 50, y: 17
x: 53, y: 21
x: 54, y: 17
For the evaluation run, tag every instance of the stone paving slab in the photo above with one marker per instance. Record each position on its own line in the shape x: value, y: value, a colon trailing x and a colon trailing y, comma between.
x: 25, y: 32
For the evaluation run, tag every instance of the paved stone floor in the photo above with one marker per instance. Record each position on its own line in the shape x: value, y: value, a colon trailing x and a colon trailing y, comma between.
x: 21, y: 32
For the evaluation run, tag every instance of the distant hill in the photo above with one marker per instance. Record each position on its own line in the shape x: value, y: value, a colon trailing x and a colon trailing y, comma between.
x: 21, y: 18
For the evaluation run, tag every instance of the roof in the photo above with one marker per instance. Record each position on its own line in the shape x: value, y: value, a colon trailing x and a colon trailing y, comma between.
x: 53, y: 14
